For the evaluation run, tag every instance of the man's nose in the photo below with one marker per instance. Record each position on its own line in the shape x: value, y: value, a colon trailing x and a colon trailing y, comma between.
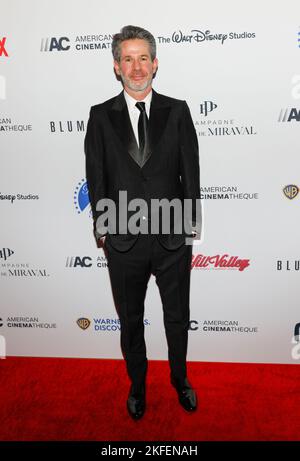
x: 136, y: 64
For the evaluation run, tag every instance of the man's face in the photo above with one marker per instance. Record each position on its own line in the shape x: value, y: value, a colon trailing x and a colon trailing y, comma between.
x: 135, y: 67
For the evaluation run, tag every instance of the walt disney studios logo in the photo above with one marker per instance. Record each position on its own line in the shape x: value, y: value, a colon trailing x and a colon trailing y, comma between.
x: 295, y: 352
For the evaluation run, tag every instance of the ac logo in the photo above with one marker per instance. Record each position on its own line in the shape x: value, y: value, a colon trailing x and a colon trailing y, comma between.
x: 2, y: 47
x: 193, y: 325
x: 52, y: 43
x: 75, y: 261
x: 287, y: 115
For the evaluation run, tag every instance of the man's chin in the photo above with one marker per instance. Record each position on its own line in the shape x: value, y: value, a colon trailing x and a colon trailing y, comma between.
x: 142, y: 86
x: 136, y: 87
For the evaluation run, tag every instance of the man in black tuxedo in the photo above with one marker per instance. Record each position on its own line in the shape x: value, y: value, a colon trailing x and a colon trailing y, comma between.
x: 145, y: 144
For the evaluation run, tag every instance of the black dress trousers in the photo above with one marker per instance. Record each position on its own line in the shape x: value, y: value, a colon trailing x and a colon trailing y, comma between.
x: 129, y: 274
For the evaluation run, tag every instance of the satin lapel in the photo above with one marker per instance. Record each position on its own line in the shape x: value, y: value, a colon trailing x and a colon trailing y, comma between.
x: 120, y: 120
x: 119, y: 117
x: 159, y: 114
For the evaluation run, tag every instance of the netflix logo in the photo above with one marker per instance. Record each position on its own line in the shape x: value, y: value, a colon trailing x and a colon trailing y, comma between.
x: 3, y: 51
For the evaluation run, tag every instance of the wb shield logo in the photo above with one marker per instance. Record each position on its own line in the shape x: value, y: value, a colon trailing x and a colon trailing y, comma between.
x: 291, y: 191
x: 83, y: 323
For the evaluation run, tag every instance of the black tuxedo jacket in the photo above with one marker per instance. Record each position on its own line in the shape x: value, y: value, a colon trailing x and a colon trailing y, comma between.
x: 171, y: 168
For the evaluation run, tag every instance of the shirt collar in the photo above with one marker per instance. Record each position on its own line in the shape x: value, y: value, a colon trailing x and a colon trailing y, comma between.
x: 131, y: 102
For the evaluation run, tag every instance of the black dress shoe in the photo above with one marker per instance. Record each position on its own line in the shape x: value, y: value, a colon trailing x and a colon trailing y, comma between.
x: 136, y: 403
x: 186, y: 394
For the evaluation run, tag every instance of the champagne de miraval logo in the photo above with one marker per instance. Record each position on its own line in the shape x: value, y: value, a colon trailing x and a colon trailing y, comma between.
x: 10, y: 267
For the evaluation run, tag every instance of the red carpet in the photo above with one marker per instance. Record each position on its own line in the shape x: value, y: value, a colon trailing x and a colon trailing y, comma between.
x: 84, y: 399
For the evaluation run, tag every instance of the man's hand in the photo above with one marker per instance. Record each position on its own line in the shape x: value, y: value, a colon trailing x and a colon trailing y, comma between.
x: 101, y: 241
x: 195, y: 235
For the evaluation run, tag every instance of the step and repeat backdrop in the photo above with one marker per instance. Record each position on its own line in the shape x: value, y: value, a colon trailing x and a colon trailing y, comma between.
x: 237, y: 64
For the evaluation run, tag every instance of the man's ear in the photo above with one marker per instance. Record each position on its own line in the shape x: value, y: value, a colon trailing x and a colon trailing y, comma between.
x: 155, y: 65
x: 117, y: 67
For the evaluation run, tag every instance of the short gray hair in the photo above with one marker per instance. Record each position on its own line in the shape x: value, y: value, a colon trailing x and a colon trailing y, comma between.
x: 130, y: 33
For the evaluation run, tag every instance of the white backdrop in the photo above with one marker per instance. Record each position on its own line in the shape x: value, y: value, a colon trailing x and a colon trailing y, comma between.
x: 237, y: 64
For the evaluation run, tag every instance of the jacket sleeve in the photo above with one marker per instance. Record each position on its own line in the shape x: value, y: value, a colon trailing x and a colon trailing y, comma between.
x: 95, y: 173
x: 189, y: 166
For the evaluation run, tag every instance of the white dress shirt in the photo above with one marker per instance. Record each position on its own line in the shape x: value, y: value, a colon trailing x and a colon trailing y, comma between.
x: 134, y: 112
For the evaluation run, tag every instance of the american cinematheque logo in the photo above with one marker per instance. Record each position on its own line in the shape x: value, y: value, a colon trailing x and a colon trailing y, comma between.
x: 88, y: 42
x: 222, y: 192
x: 7, y: 125
x: 226, y: 326
x: 28, y: 322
